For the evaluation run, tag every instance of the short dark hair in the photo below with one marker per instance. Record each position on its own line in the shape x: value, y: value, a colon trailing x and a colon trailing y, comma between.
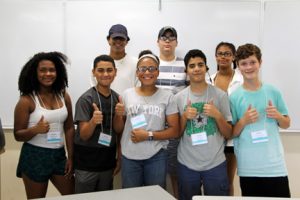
x: 28, y: 81
x: 231, y: 47
x: 105, y: 58
x: 247, y: 50
x: 192, y: 54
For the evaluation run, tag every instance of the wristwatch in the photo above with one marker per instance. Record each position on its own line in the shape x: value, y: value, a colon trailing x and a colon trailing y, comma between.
x: 150, y: 136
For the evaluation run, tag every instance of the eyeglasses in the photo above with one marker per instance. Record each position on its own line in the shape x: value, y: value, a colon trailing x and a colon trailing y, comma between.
x: 225, y: 54
x: 143, y: 69
x: 165, y: 38
x: 103, y: 70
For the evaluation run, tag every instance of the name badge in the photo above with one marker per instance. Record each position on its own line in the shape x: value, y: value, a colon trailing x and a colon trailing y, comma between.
x: 259, y: 136
x: 138, y: 121
x: 199, y: 138
x: 104, y: 139
x: 54, y: 135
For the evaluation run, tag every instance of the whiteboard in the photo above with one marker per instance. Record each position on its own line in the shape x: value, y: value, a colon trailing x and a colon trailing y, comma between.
x: 26, y: 28
x: 79, y: 29
x: 199, y: 24
x: 281, y: 53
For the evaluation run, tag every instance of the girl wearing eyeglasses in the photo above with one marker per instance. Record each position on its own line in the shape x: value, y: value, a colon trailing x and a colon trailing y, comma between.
x: 227, y: 78
x: 145, y: 138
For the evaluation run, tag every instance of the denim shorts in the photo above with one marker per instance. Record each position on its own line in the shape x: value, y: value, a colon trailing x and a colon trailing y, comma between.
x: 39, y: 163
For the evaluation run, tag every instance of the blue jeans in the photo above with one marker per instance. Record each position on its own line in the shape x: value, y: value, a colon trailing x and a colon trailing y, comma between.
x: 215, y: 181
x: 151, y: 171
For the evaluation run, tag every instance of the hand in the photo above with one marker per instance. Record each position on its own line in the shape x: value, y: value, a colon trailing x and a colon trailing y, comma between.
x: 209, y: 109
x: 120, y: 108
x: 69, y: 169
x: 139, y: 135
x: 190, y: 112
x: 97, y: 115
x: 251, y: 115
x: 42, y: 126
x: 272, y: 111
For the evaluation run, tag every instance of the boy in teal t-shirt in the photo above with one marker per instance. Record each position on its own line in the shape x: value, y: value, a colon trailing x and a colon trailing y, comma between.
x: 258, y: 110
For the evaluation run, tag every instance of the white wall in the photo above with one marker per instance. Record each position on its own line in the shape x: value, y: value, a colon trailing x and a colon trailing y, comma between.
x: 79, y: 29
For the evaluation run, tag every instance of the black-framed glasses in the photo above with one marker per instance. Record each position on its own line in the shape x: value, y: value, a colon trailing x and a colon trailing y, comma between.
x: 226, y: 54
x: 165, y: 38
x: 143, y: 69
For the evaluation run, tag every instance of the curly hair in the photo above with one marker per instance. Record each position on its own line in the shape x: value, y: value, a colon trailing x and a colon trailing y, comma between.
x: 28, y: 81
x: 247, y: 50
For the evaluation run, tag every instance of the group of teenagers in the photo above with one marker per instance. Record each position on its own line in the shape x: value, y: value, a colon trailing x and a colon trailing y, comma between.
x: 153, y: 116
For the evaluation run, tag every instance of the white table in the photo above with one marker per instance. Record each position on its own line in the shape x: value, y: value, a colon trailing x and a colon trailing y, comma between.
x: 239, y: 198
x: 140, y: 193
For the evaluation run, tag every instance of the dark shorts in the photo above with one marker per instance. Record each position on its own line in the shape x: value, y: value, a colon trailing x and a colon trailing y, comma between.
x: 229, y: 149
x: 265, y: 186
x: 39, y: 163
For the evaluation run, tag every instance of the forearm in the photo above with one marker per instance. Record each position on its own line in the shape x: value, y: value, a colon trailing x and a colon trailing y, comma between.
x: 25, y: 135
x: 86, y: 129
x: 169, y: 133
x: 69, y: 135
x: 224, y: 127
x: 118, y: 124
x: 238, y: 128
x: 284, y: 121
x: 183, y: 121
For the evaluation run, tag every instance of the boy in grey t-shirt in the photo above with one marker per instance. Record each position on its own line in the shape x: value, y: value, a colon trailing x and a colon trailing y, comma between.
x: 205, y: 113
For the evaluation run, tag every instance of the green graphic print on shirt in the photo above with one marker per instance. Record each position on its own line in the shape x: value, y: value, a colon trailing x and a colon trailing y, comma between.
x: 201, y: 122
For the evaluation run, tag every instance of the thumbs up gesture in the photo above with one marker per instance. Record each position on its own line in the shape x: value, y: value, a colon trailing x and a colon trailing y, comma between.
x: 120, y: 107
x: 42, y: 126
x: 210, y: 109
x: 251, y: 115
x: 272, y: 111
x: 190, y: 112
x: 97, y: 115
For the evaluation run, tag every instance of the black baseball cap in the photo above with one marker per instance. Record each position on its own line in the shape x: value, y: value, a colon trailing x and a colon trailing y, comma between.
x: 118, y: 30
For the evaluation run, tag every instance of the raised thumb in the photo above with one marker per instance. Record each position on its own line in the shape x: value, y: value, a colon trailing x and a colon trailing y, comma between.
x: 42, y: 118
x: 249, y: 107
x: 95, y: 107
x: 120, y: 100
x: 270, y: 103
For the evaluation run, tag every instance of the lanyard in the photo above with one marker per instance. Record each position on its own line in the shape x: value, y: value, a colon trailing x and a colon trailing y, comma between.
x: 111, y: 105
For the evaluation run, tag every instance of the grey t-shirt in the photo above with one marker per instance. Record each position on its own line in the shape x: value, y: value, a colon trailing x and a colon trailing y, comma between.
x: 155, y: 108
x: 211, y: 154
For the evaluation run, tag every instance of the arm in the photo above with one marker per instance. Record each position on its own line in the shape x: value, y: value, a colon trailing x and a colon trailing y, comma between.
x: 188, y: 114
x: 87, y: 128
x: 139, y: 135
x: 23, y: 109
x: 224, y: 127
x: 119, y: 118
x: 69, y: 135
x: 250, y: 116
x: 282, y: 120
